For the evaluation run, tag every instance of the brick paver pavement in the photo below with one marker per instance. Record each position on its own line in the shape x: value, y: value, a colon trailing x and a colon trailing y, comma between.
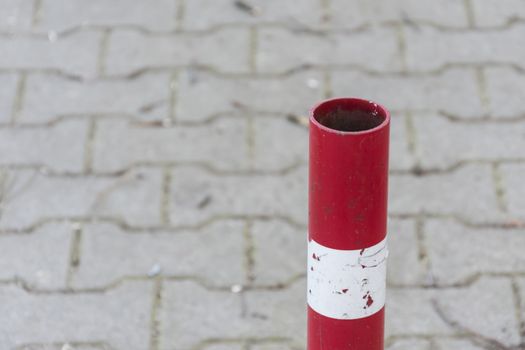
x: 153, y: 168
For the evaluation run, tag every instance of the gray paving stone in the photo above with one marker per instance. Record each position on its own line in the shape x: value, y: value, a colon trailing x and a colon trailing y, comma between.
x: 78, y: 317
x: 486, y: 307
x: 466, y: 192
x: 279, y: 252
x: 504, y: 86
x: 401, y: 158
x: 207, y: 14
x: 45, y: 258
x: 404, y: 267
x: 428, y: 48
x: 245, y: 121
x: 281, y: 313
x: 49, y: 96
x: 64, y: 346
x: 455, y: 344
x: 220, y: 314
x: 514, y: 189
x: 225, y: 50
x: 16, y: 15
x: 74, y: 54
x: 454, y: 91
x: 202, y: 95
x: 279, y: 143
x: 224, y: 346
x: 60, y: 15
x: 120, y: 144
x: 190, y: 314
x: 458, y: 253
x: 409, y: 344
x: 464, y: 141
x: 214, y: 254
x: 133, y: 197
x: 410, y: 312
x: 270, y: 347
x: 494, y: 13
x: 8, y: 92
x: 59, y: 147
x: 355, y: 13
x: 237, y: 195
x: 373, y: 49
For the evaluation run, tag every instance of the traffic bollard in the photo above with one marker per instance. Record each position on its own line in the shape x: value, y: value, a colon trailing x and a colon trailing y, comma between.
x: 347, y: 252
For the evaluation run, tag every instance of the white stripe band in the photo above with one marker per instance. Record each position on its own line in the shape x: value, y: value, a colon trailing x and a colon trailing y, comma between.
x: 346, y: 284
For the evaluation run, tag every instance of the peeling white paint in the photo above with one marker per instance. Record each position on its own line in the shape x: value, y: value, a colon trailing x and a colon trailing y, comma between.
x: 346, y: 284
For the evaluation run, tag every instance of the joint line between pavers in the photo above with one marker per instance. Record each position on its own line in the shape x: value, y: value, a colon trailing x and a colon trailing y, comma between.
x: 518, y: 305
x: 173, y: 87
x: 165, y: 204
x: 154, y: 343
x: 103, y: 51
x: 411, y: 139
x: 37, y: 12
x: 180, y: 15
x: 402, y: 46
x: 469, y: 11
x: 89, y: 145
x: 499, y: 187
x: 481, y: 81
x: 75, y: 252
x: 18, y: 103
x: 327, y: 84
x: 253, y: 49
x: 250, y: 141
x: 423, y: 256
x: 326, y: 9
x: 249, y: 250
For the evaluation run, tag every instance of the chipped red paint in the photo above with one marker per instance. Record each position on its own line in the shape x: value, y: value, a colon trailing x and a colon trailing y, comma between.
x: 348, y: 184
x: 369, y: 301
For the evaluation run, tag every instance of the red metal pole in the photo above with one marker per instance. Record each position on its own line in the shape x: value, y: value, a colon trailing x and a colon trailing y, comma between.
x: 348, y: 185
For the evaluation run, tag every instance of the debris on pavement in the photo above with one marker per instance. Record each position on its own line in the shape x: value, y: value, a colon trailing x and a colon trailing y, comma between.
x: 247, y: 7
x: 154, y: 271
x: 298, y: 120
x: 236, y: 288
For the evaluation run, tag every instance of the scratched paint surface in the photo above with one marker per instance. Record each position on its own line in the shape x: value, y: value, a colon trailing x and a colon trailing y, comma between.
x: 346, y: 284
